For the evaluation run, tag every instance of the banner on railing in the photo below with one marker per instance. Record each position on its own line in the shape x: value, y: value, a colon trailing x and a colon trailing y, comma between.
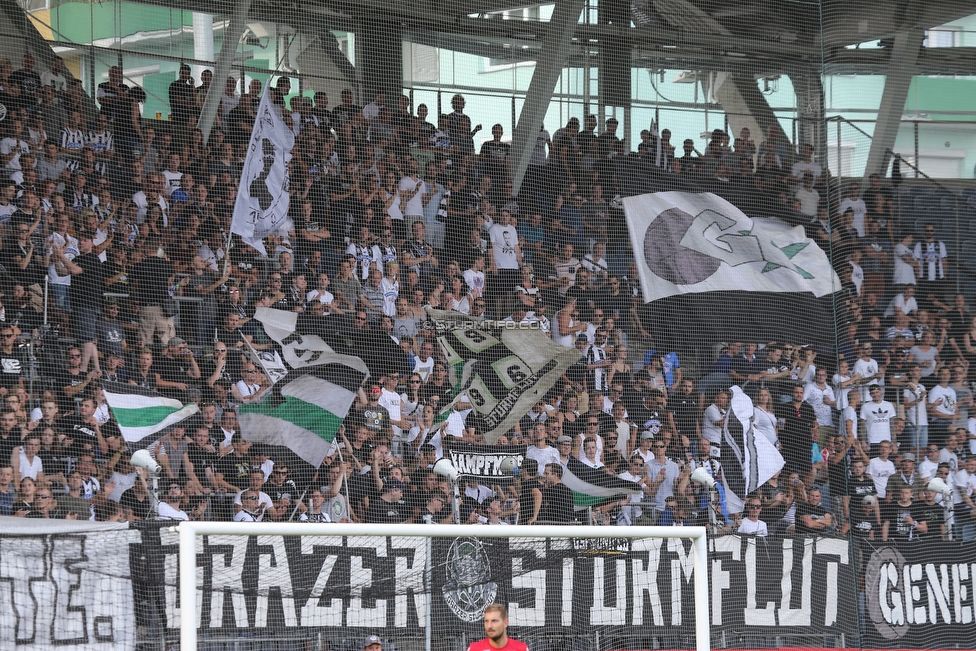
x: 98, y: 587
x: 67, y: 585
x: 568, y: 586
x: 919, y: 592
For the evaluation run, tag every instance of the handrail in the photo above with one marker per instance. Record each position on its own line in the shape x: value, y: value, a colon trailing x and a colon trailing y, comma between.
x: 838, y: 118
x: 889, y: 152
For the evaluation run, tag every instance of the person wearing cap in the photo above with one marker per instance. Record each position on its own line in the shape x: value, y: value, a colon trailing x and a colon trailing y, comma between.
x: 907, y: 475
x: 375, y: 416
x: 389, y: 507
x: 564, y: 445
x: 372, y: 643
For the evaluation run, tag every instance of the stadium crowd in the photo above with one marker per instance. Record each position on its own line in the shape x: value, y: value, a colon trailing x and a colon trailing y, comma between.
x: 126, y: 221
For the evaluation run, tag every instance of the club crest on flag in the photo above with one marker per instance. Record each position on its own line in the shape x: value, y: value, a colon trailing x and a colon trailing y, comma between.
x: 261, y: 207
x: 688, y: 242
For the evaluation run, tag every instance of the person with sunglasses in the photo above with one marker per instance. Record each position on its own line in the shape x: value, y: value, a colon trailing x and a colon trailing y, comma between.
x: 13, y: 361
x: 662, y: 473
x: 751, y: 524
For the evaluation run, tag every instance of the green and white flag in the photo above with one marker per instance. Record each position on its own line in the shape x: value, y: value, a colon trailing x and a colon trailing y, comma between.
x: 141, y: 413
x: 303, y: 410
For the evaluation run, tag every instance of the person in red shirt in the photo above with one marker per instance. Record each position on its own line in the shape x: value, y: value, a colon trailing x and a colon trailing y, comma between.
x: 496, y: 628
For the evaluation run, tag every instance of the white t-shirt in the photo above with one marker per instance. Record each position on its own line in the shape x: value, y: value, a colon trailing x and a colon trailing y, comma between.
x: 972, y: 430
x: 880, y: 471
x: 904, y: 273
x: 964, y: 483
x: 263, y: 498
x: 415, y: 206
x: 391, y: 400
x: 948, y: 396
x: 757, y: 528
x: 877, y: 420
x: 167, y: 512
x: 712, y: 430
x: 70, y: 248
x: 475, y: 281
x: 173, y: 181
x: 841, y: 392
x: 866, y: 369
x: 815, y: 396
x: 504, y: 240
x: 546, y: 455
x: 849, y: 416
x: 918, y: 414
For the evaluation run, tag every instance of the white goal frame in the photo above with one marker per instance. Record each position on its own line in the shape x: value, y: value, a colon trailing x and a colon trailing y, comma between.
x: 189, y: 531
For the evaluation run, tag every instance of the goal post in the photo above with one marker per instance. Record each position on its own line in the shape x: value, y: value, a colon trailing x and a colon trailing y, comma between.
x: 598, y: 540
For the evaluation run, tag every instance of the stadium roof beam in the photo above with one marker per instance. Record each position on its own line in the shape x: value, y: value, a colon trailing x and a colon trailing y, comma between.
x: 555, y: 48
x: 901, y: 69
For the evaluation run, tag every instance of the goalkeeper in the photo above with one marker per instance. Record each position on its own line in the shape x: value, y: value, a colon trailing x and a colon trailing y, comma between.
x: 496, y: 628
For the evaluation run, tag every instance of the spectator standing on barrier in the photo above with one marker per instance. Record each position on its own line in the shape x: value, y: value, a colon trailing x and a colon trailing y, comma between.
x: 153, y: 278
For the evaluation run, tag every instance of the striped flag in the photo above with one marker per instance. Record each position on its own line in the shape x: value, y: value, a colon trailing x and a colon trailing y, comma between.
x: 748, y: 459
x: 592, y: 486
x: 141, y: 413
x: 303, y: 411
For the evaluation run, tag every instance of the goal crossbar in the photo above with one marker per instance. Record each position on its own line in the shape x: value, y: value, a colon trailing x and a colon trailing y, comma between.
x: 188, y: 532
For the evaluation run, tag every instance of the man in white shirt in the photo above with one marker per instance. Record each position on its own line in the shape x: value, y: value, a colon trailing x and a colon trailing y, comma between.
x: 264, y: 505
x: 877, y: 414
x: 881, y: 468
x: 866, y: 367
x: 390, y: 399
x: 412, y: 191
x: 820, y: 396
x: 504, y: 262
x: 169, y: 507
x: 662, y: 473
x: 589, y: 455
x: 751, y: 524
x: 941, y: 406
x: 856, y: 205
x: 540, y: 450
x: 963, y: 495
x: 929, y: 463
x: 805, y: 166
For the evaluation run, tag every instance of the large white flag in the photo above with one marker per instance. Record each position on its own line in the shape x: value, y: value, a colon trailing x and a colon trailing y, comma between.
x: 698, y: 242
x: 262, y: 197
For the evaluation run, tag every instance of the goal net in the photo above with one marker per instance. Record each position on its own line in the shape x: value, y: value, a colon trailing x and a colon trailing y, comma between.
x: 422, y: 587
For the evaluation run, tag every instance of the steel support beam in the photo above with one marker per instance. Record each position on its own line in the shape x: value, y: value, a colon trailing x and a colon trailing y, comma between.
x: 232, y: 36
x: 555, y: 50
x: 901, y: 69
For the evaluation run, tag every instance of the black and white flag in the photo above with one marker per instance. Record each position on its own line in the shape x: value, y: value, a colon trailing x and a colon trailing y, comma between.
x: 261, y: 207
x: 749, y: 459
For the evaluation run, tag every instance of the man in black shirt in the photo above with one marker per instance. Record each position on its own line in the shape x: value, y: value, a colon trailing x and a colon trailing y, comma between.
x: 87, y: 286
x: 902, y: 520
x: 389, y: 508
x: 233, y: 471
x: 811, y: 517
x: 557, y: 498
x: 152, y: 278
x: 12, y: 362
x: 795, y: 437
x: 684, y: 403
x: 931, y: 514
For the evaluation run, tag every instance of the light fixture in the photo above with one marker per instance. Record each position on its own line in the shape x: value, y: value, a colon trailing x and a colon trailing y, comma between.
x: 701, y: 476
x: 937, y: 485
x: 142, y: 459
